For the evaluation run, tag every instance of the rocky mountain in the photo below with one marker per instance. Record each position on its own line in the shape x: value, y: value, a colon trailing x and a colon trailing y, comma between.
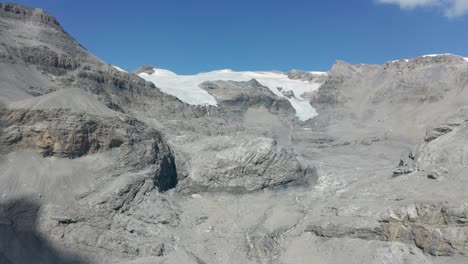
x: 362, y: 164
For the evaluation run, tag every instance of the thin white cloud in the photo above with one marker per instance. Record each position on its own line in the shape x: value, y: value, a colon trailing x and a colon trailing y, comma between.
x: 458, y: 8
x: 450, y: 8
x: 407, y: 4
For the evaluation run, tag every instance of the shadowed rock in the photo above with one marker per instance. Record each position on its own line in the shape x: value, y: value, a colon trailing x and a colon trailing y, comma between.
x: 20, y: 241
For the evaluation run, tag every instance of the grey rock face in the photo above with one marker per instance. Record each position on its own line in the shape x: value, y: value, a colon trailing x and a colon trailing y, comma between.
x: 34, y: 28
x: 14, y: 11
x: 446, y: 152
x: 28, y: 40
x: 44, y: 57
x: 442, y: 152
x: 66, y: 135
x: 448, y: 125
x: 436, y: 229
x: 328, y: 94
x: 242, y: 95
x: 406, y: 165
x: 118, y: 172
x: 149, y: 69
x: 306, y: 76
x: 239, y: 164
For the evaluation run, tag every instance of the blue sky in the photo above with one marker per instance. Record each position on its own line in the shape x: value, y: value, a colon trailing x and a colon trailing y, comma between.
x: 190, y: 36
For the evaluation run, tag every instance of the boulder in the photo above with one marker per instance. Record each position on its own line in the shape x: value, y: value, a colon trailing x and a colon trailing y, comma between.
x: 240, y: 164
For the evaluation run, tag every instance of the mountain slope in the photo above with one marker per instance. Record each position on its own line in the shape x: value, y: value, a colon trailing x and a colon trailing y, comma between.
x: 98, y: 165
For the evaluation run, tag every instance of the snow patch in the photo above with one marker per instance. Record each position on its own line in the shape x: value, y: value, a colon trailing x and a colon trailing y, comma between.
x: 196, y: 196
x: 319, y: 73
x: 394, y: 61
x: 445, y: 54
x: 433, y: 55
x: 119, y: 69
x: 187, y: 87
x: 163, y: 73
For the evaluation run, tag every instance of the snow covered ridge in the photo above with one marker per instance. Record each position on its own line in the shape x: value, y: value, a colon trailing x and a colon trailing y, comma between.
x: 119, y: 69
x: 434, y: 55
x: 187, y: 87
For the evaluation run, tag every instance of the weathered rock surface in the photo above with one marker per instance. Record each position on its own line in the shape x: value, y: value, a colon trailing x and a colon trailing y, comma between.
x: 99, y: 166
x: 243, y: 95
x: 389, y: 99
x: 438, y: 230
x: 307, y: 76
x: 442, y: 153
x: 65, y: 135
x: 240, y: 164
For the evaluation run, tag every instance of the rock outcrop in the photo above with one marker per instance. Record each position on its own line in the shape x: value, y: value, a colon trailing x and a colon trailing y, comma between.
x: 307, y: 76
x: 240, y: 164
x: 99, y: 166
x: 63, y: 134
x: 442, y: 152
x: 239, y: 96
x: 439, y: 230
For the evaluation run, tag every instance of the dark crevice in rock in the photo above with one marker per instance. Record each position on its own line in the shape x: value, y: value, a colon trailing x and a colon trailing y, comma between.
x: 168, y: 175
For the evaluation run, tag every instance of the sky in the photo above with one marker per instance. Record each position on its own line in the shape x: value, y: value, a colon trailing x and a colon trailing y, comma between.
x: 191, y: 36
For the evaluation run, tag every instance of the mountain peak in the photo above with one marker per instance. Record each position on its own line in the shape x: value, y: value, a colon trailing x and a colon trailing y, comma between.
x: 147, y: 68
x: 35, y: 15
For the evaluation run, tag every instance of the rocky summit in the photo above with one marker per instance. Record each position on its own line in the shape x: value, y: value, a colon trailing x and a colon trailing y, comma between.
x: 363, y: 164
